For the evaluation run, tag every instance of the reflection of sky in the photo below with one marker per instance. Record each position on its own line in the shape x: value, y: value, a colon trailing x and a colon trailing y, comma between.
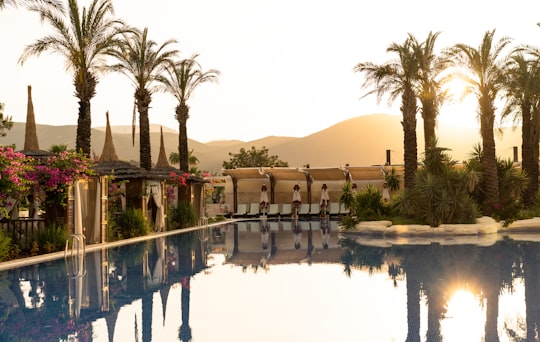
x: 297, y: 302
x: 33, y: 297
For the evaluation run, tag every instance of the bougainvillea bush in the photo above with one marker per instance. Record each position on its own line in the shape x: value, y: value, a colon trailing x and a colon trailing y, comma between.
x: 13, y: 181
x: 56, y: 173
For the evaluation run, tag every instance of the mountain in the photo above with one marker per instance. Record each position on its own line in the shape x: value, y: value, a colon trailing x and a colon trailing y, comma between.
x: 359, y: 141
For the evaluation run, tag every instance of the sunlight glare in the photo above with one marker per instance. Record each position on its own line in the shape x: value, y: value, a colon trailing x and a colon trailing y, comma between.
x: 465, y: 317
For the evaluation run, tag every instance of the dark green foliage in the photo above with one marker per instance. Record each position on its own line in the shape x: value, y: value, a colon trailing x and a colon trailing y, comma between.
x: 253, y: 158
x: 392, y: 179
x: 368, y: 204
x: 440, y: 193
x: 6, y: 248
x: 131, y: 223
x: 6, y: 122
x: 52, y: 239
x: 347, y: 195
x: 183, y: 216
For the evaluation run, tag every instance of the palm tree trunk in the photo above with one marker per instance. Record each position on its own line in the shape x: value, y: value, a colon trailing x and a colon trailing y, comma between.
x: 84, y: 128
x: 527, y: 153
x: 489, y: 161
x: 145, y: 152
x: 182, y: 115
x: 409, y: 137
x: 429, y: 116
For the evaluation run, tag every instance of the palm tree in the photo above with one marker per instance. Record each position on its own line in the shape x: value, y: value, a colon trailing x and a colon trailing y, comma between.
x: 485, y: 65
x: 143, y: 62
x: 429, y: 88
x: 181, y: 80
x: 15, y: 3
x: 83, y: 39
x: 174, y: 158
x: 398, y: 77
x: 522, y: 92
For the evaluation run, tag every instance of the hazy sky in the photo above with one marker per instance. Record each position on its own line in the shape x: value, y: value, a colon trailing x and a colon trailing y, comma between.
x: 286, y: 64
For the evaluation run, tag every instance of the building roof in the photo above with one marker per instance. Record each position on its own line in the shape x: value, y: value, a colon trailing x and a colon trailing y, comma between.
x: 31, y: 143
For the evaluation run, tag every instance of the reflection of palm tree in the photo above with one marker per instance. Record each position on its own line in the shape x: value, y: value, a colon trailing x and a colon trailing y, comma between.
x: 412, y: 262
x: 531, y: 275
x: 185, y: 329
x: 83, y: 39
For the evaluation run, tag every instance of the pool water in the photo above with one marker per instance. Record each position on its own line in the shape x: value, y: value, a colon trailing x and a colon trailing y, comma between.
x: 279, y: 281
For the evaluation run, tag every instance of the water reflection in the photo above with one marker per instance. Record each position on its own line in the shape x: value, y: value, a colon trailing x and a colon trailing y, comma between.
x: 450, y: 292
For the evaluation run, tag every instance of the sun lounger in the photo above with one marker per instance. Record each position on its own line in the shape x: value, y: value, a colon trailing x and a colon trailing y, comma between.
x: 286, y: 210
x: 315, y: 209
x: 333, y: 208
x: 254, y: 209
x: 273, y: 209
x: 304, y: 209
x: 241, y: 210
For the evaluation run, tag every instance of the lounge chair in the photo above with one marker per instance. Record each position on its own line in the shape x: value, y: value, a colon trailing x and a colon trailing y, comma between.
x: 241, y: 210
x: 304, y: 209
x: 333, y: 209
x: 254, y: 209
x: 273, y: 209
x: 315, y: 209
x: 286, y: 210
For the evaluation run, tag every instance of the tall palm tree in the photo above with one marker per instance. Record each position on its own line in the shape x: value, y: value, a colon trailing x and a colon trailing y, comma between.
x: 15, y: 3
x: 181, y: 80
x: 429, y: 89
x: 522, y: 93
x: 485, y: 65
x: 143, y: 62
x: 83, y: 39
x: 398, y: 77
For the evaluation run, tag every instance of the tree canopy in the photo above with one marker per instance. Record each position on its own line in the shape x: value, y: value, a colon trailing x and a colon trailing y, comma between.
x: 5, y: 121
x: 253, y: 158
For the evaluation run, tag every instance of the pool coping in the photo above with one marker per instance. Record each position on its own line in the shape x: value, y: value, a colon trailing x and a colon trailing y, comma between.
x: 27, y: 261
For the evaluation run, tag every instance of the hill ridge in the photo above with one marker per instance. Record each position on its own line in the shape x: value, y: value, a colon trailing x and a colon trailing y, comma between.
x: 358, y: 141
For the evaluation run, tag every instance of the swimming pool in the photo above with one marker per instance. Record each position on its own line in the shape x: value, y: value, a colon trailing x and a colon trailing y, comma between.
x: 278, y: 281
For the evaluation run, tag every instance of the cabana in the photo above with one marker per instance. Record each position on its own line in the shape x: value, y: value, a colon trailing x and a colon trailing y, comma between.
x: 247, y: 183
x: 129, y: 179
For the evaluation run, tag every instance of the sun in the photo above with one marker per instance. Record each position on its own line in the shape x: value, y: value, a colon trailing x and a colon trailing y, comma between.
x: 456, y: 88
x: 456, y: 83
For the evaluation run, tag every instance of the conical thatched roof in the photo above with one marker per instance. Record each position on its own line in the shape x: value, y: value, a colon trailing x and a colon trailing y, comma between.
x: 110, y: 165
x: 109, y: 152
x: 162, y: 161
x: 163, y: 169
x: 30, y: 134
x: 31, y: 144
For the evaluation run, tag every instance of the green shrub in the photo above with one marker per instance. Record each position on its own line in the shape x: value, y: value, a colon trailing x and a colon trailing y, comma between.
x: 183, y: 216
x: 130, y: 223
x: 52, y: 239
x: 367, y: 204
x: 6, y: 248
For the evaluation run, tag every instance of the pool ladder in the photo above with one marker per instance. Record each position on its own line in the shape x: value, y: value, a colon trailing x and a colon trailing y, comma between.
x: 75, y: 256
